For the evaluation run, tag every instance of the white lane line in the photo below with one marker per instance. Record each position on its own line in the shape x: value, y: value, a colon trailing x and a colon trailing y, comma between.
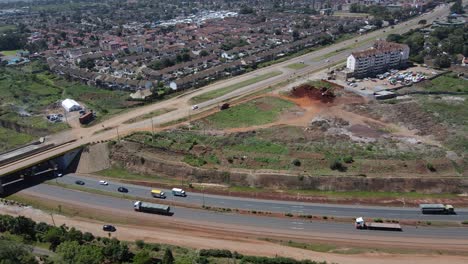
x: 297, y: 228
x: 297, y: 223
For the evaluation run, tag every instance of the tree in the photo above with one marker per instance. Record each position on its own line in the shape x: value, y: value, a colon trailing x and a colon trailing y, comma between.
x: 54, y: 236
x: 394, y: 38
x: 295, y: 35
x: 23, y: 226
x: 116, y: 252
x: 442, y: 61
x: 73, y: 252
x: 14, y: 253
x: 204, y: 53
x: 457, y: 7
x: 168, y: 258
x: 142, y: 257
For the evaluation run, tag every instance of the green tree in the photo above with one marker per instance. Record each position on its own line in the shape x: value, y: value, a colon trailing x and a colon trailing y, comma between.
x: 168, y: 258
x: 457, y: 7
x: 14, y: 253
x: 23, y: 226
x: 73, y: 252
x: 54, y: 236
x: 204, y: 53
x: 116, y: 252
x: 142, y: 257
x: 442, y: 61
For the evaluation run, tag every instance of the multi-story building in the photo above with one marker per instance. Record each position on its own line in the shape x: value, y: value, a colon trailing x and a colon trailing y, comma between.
x: 381, y: 57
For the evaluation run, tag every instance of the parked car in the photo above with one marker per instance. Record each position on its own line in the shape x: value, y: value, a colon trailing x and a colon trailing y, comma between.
x: 122, y: 190
x: 109, y: 228
x: 79, y: 182
x: 224, y: 106
x: 194, y: 107
x: 101, y: 182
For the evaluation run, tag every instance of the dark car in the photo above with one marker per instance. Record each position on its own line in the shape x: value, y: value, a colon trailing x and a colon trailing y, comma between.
x: 122, y: 190
x: 79, y: 182
x: 109, y: 228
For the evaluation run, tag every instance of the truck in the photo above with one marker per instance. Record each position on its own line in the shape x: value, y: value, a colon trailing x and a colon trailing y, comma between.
x: 178, y: 192
x: 158, y: 194
x: 140, y: 206
x: 361, y: 224
x: 86, y: 118
x: 437, y: 209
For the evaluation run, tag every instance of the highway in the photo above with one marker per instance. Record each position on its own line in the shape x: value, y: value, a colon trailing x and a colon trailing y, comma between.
x: 315, y: 61
x: 279, y: 225
x: 271, y: 205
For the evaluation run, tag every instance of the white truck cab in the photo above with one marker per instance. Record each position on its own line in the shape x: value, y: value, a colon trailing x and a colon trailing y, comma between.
x: 178, y: 192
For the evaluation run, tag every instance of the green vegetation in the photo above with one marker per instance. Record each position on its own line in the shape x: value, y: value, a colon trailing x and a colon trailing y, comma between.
x: 9, y: 52
x: 256, y: 112
x: 220, y: 92
x: 443, y: 44
x: 73, y: 246
x: 446, y: 83
x: 6, y: 28
x: 28, y: 91
x: 296, y: 66
x: 150, y: 115
x: 9, y: 140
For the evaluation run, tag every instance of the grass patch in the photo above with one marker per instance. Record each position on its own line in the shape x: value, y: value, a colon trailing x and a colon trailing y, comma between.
x: 10, y: 139
x: 4, y: 28
x: 220, y: 92
x: 296, y: 66
x: 150, y: 115
x: 446, y: 83
x: 8, y: 52
x: 259, y: 146
x: 255, y: 112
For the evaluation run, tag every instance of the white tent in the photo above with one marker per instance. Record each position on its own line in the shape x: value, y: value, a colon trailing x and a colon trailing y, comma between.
x: 71, y: 105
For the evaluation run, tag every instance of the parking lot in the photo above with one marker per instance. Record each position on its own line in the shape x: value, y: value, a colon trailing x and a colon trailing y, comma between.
x: 389, y: 80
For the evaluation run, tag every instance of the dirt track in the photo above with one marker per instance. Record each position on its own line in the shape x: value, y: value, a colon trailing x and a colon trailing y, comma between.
x: 240, y: 239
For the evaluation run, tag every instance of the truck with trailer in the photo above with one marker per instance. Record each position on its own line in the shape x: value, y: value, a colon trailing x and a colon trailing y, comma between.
x: 361, y: 224
x: 437, y: 209
x: 178, y: 192
x: 153, y: 208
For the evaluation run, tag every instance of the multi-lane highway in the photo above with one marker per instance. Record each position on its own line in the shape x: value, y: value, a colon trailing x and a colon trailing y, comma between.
x: 279, y: 225
x: 271, y: 205
x: 115, y: 126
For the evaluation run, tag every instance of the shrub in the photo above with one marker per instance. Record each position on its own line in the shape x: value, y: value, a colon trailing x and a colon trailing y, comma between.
x: 217, y: 253
x: 465, y: 222
x: 348, y: 159
x: 296, y: 162
x: 428, y: 223
x: 430, y: 167
x: 378, y: 220
x: 325, y: 217
x: 140, y: 243
x: 337, y: 165
x: 288, y: 214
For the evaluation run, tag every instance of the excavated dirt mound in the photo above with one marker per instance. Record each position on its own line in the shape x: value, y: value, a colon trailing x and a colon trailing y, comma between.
x: 307, y: 91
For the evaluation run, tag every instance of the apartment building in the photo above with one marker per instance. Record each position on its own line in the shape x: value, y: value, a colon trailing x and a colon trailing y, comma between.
x: 381, y: 57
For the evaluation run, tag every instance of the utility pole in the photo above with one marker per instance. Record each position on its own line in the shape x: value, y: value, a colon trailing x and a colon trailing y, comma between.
x: 203, y: 195
x: 118, y: 136
x: 152, y: 129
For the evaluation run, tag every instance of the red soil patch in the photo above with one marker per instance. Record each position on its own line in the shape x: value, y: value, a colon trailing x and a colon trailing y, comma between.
x: 314, y: 94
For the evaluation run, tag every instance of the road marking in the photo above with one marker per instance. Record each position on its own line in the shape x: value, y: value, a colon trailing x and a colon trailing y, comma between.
x: 297, y: 228
x: 297, y: 223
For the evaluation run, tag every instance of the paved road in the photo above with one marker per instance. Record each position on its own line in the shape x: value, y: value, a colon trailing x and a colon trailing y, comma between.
x: 115, y: 126
x: 272, y: 206
x: 280, y: 225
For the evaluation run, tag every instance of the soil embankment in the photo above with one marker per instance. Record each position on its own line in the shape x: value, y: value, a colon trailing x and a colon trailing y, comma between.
x: 134, y: 157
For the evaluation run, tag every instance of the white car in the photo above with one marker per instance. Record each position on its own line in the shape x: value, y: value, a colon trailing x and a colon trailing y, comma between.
x: 103, y: 183
x: 194, y: 107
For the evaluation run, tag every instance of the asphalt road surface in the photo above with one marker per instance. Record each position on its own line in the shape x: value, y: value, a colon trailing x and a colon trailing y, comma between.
x: 270, y: 205
x: 280, y: 225
x: 115, y: 126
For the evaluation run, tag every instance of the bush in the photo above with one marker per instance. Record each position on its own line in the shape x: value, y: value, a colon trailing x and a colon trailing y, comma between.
x: 140, y: 243
x: 337, y: 165
x: 288, y: 214
x: 348, y: 159
x: 431, y: 167
x: 378, y: 220
x: 465, y: 222
x: 217, y: 253
x: 296, y: 162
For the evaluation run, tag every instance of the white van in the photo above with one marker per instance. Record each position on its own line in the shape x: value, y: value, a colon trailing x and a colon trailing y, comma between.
x: 178, y: 192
